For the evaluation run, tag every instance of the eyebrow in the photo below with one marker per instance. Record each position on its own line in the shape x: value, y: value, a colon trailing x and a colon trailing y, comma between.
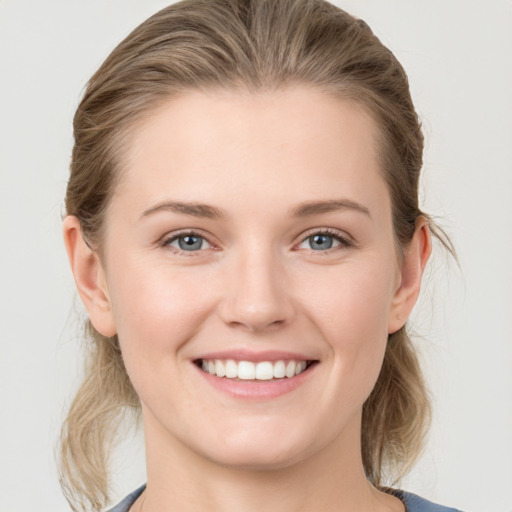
x: 193, y: 209
x: 334, y: 205
x: 306, y: 209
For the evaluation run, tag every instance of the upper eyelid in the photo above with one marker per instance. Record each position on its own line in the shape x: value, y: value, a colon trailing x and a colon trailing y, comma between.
x: 342, y: 235
x: 182, y: 232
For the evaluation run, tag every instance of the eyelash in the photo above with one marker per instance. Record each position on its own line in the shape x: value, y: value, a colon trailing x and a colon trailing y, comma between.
x: 345, y: 242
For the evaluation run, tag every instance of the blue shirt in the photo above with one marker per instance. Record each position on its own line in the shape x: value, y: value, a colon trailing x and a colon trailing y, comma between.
x: 412, y: 502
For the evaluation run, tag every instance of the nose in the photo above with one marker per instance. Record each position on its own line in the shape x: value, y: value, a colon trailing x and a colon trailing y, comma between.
x: 257, y: 295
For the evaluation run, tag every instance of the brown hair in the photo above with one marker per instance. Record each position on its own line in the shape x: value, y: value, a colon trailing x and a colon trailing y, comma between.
x: 258, y: 45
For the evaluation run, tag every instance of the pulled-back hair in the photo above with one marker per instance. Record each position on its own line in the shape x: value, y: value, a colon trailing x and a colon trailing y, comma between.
x: 256, y: 45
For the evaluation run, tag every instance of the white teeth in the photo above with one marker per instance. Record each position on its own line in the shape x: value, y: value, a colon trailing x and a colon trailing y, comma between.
x: 290, y: 369
x: 247, y: 370
x: 264, y: 371
x: 300, y: 367
x: 231, y: 369
x: 279, y: 370
x: 220, y: 370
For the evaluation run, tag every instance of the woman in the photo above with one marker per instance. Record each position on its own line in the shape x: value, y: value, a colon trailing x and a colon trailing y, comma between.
x: 244, y: 231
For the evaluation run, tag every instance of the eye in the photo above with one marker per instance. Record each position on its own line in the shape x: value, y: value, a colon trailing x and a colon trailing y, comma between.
x: 189, y: 242
x: 323, y: 241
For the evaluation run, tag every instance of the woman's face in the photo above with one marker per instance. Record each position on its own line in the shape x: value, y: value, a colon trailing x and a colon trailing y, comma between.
x: 252, y: 234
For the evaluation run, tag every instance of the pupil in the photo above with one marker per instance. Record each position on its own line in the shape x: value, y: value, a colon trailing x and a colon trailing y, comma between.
x: 321, y: 242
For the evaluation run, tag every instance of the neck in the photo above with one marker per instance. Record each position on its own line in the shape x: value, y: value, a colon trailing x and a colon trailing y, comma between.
x: 331, y: 479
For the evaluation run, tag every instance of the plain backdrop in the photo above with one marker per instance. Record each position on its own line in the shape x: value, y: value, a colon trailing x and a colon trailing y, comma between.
x: 458, y: 54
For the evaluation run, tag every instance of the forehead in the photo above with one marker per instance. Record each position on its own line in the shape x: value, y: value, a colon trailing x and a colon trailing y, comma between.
x: 297, y: 141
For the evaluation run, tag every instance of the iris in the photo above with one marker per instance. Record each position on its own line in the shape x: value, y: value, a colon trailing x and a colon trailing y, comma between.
x: 190, y: 242
x: 321, y: 242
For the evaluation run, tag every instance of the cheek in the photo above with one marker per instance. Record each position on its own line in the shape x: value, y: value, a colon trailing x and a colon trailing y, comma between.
x: 352, y: 314
x: 353, y: 301
x: 156, y: 310
x: 156, y: 315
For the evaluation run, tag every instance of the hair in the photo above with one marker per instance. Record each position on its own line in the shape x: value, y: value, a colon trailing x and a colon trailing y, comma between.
x: 258, y: 45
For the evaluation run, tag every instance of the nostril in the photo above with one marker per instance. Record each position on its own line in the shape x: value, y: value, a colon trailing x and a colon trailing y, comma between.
x: 257, y: 324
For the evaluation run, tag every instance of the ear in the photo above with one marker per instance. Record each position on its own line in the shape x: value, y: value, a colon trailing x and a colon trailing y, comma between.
x: 89, y: 277
x: 416, y: 255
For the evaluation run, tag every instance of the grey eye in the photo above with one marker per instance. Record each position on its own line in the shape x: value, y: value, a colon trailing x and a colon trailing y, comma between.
x: 320, y: 242
x: 189, y: 242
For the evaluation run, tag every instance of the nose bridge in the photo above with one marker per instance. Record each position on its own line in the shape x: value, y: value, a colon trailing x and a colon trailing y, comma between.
x: 257, y: 296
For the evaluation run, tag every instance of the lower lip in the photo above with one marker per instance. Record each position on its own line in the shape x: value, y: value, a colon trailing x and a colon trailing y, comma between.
x: 254, y: 389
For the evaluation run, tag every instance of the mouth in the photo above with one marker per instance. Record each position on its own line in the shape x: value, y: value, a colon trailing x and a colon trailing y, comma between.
x: 241, y: 370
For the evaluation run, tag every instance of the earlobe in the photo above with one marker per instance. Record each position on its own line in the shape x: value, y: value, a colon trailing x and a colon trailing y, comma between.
x: 89, y: 277
x: 416, y: 255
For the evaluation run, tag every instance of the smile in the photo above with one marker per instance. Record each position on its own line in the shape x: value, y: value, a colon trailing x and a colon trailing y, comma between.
x: 248, y: 370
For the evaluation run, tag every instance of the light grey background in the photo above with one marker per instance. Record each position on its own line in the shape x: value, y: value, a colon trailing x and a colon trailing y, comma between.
x: 458, y: 54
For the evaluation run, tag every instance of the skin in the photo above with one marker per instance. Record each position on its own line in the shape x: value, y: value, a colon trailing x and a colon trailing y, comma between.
x: 258, y: 284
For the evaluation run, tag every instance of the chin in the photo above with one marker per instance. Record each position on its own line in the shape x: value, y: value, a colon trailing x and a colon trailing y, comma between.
x: 258, y: 449
x: 256, y: 458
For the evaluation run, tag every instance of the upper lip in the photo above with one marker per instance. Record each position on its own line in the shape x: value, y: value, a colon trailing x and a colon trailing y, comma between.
x: 250, y: 355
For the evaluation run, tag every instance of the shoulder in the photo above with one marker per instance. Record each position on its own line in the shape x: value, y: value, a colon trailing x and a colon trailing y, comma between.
x: 414, y: 503
x: 127, y: 502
